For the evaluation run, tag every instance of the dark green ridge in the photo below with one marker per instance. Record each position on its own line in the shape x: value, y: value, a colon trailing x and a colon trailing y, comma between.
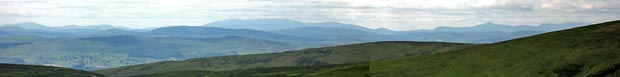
x: 16, y: 70
x: 335, y: 70
x: 589, y: 51
x: 354, y: 53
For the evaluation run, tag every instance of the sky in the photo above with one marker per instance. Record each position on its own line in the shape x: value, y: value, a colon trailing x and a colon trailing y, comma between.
x: 390, y: 14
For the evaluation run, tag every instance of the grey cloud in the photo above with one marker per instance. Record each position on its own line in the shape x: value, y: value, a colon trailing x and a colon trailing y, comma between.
x: 392, y: 15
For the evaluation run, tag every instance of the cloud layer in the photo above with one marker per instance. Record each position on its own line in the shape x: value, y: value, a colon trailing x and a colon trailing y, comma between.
x: 391, y: 14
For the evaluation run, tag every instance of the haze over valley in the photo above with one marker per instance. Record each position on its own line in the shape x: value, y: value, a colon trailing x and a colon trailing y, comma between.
x: 310, y: 38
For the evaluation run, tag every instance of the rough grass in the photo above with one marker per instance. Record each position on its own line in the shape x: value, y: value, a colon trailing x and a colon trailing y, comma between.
x: 590, y: 51
x: 14, y: 70
x: 354, y: 53
x: 583, y: 51
x: 336, y: 70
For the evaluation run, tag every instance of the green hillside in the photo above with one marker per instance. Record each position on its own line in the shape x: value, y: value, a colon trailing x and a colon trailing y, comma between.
x: 14, y: 70
x: 113, y: 51
x: 354, y: 53
x: 336, y: 70
x: 590, y: 51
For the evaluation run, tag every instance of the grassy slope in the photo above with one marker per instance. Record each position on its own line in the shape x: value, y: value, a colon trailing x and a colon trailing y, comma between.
x: 316, y: 56
x: 335, y: 70
x: 14, y: 70
x: 114, y: 51
x: 590, y: 51
x: 583, y: 51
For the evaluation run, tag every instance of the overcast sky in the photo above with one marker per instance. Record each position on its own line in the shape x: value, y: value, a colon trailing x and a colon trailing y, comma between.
x: 391, y: 14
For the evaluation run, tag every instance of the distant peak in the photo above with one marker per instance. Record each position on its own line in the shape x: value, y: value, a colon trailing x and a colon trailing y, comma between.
x: 103, y: 25
x: 114, y: 29
x: 490, y: 24
x: 383, y: 29
x: 566, y: 23
x: 262, y: 20
x: 72, y: 26
x: 331, y: 23
x: 29, y: 23
x: 276, y: 19
x: 442, y: 27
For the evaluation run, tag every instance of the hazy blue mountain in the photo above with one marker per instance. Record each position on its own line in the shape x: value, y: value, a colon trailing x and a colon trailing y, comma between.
x: 27, y: 25
x: 329, y: 33
x: 282, y: 24
x: 560, y: 26
x: 353, y: 36
x: 206, y: 32
x: 257, y: 24
x: 348, y: 33
x: 338, y: 25
x: 37, y: 26
x: 279, y: 24
x: 32, y: 43
x: 11, y: 28
x: 35, y: 29
x: 12, y: 31
x: 461, y: 37
x: 493, y: 27
x: 115, y: 32
x: 93, y: 27
x: 295, y: 32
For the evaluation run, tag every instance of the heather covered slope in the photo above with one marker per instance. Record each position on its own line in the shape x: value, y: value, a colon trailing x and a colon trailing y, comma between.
x: 354, y: 53
x: 584, y: 51
x: 15, y: 70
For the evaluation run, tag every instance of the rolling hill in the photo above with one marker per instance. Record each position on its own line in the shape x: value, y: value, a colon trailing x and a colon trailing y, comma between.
x: 102, y: 46
x: 354, y: 53
x: 15, y: 70
x: 330, y: 33
x: 494, y: 27
x: 113, y: 51
x: 461, y: 37
x: 589, y: 51
x: 334, y: 70
x: 210, y: 32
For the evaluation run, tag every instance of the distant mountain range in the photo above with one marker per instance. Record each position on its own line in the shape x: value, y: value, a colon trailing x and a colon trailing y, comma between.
x: 493, y: 27
x: 33, y: 43
x: 282, y: 24
x: 284, y: 30
x: 277, y: 24
x: 588, y: 51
